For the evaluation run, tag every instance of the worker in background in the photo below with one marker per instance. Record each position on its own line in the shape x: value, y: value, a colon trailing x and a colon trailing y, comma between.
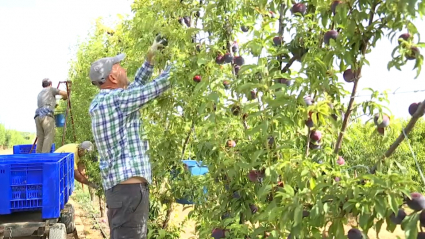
x: 44, y: 116
x: 79, y: 151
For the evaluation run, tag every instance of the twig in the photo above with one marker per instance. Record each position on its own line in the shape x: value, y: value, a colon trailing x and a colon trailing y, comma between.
x: 419, y: 113
x: 167, y: 216
x: 307, y: 148
x: 187, y: 138
x: 353, y: 92
x: 346, y: 118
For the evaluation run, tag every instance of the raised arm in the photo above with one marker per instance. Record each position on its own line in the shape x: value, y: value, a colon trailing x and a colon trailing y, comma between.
x: 143, y: 74
x: 138, y: 95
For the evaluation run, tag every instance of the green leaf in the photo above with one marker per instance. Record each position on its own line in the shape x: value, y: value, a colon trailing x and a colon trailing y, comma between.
x: 393, y: 203
x: 298, y: 215
x: 289, y: 190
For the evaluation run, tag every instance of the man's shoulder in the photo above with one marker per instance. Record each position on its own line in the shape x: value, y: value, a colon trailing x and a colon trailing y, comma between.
x: 105, y: 98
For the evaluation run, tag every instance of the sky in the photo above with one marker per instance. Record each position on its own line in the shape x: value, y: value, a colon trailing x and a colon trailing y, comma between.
x: 39, y: 38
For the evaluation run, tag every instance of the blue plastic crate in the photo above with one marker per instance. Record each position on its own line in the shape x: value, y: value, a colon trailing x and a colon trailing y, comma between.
x: 25, y: 149
x: 196, y: 169
x: 36, y: 182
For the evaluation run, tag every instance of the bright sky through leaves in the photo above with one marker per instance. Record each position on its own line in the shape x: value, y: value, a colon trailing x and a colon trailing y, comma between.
x: 39, y: 38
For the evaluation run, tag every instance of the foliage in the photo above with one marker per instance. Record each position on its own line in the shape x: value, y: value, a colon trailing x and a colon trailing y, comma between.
x: 9, y: 137
x: 195, y: 120
x: 364, y: 145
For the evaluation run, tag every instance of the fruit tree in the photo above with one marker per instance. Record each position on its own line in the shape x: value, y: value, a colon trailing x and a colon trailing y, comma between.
x: 256, y: 96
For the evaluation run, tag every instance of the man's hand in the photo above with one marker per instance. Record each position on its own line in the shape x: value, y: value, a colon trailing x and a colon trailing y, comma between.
x: 153, y: 50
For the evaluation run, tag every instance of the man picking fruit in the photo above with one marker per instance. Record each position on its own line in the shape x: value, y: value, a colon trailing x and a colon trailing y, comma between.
x: 79, y: 151
x: 124, y: 163
x: 44, y: 116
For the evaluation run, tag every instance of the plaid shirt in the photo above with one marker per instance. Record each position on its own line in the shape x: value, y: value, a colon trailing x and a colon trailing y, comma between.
x: 116, y: 126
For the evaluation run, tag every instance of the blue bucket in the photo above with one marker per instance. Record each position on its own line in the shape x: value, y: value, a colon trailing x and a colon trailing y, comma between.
x: 60, y: 120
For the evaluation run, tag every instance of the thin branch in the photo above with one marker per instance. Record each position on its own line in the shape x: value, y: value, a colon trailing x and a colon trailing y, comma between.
x: 187, y: 138
x: 409, y: 127
x: 307, y: 148
x: 353, y: 92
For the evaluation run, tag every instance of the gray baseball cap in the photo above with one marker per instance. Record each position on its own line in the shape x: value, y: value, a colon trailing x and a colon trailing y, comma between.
x: 100, y: 69
x: 86, y: 145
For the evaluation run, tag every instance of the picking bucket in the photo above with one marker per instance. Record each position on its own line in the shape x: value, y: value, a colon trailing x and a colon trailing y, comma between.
x: 60, y: 120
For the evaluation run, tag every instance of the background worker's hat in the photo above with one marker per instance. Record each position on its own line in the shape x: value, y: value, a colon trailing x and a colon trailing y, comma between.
x: 86, y: 145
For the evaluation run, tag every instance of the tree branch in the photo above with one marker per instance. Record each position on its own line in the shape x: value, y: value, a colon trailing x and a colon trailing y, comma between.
x: 187, y: 138
x: 346, y: 118
x: 409, y: 127
x: 353, y: 92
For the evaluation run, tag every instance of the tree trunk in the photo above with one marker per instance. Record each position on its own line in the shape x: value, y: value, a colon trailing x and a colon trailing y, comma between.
x: 101, y: 207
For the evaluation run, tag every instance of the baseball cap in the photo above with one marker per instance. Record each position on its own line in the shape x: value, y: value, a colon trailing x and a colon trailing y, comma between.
x: 100, y: 69
x: 86, y: 145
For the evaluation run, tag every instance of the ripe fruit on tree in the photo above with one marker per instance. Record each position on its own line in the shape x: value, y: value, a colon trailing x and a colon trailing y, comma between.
x: 270, y: 140
x: 277, y: 40
x: 333, y: 6
x: 187, y: 21
x: 284, y: 81
x: 238, y: 60
x: 308, y: 100
x: 228, y: 58
x: 416, y: 202
x: 354, y: 233
x: 332, y: 34
x: 413, y: 53
x: 255, y: 175
x: 253, y: 208
x: 244, y: 28
x: 401, y: 214
x: 226, y: 84
x: 382, y: 124
x: 235, y: 48
x: 225, y: 215
x: 231, y: 143
x: 404, y: 36
x: 253, y: 95
x: 162, y: 40
x: 413, y: 108
x: 198, y: 47
x: 219, y: 59
x: 421, y: 235
x: 315, y: 135
x: 309, y: 122
x: 380, y: 130
x: 236, y: 110
x: 237, y: 68
x: 340, y: 161
x: 300, y: 8
x: 218, y: 233
x: 314, y: 146
x: 197, y: 78
x: 349, y: 75
x: 422, y: 218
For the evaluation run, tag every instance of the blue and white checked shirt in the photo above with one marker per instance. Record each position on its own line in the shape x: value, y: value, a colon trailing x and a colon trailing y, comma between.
x: 115, y: 116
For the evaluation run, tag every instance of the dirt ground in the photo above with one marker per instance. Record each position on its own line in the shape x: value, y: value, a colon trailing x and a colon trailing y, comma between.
x: 180, y: 213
